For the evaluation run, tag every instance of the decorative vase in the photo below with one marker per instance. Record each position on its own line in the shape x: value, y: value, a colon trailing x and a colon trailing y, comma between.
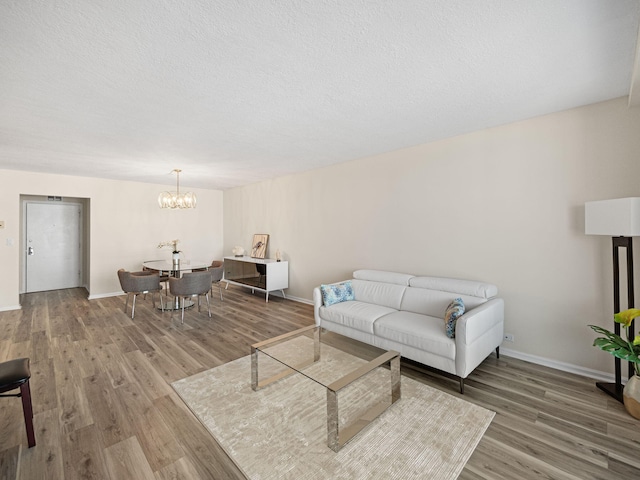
x: 631, y: 396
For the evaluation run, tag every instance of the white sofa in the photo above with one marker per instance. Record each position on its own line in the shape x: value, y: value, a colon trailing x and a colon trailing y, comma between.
x: 401, y: 312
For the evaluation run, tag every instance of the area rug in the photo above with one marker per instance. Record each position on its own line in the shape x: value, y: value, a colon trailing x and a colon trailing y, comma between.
x: 280, y: 431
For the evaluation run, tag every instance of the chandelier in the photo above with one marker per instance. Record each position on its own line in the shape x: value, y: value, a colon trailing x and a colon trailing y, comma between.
x: 175, y: 199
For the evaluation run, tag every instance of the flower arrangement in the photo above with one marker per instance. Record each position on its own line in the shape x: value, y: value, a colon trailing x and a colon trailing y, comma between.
x: 628, y: 349
x: 171, y: 243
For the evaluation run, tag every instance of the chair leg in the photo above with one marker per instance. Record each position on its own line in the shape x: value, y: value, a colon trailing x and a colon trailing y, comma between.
x: 27, y: 410
x: 133, y: 305
x: 183, y: 300
x: 126, y: 303
x: 161, y: 301
x: 208, y: 304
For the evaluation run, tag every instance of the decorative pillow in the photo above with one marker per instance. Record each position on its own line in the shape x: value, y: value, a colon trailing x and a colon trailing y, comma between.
x: 339, y: 292
x: 454, y: 310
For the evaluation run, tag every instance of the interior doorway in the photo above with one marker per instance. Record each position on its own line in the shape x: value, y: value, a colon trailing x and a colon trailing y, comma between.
x: 53, y: 244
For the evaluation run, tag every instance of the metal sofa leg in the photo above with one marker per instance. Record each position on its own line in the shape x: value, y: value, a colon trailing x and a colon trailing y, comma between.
x: 462, y: 385
x: 497, y: 352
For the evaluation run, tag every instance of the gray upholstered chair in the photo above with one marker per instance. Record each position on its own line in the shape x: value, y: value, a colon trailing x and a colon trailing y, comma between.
x: 194, y: 284
x: 164, y: 275
x: 137, y: 283
x: 217, y: 272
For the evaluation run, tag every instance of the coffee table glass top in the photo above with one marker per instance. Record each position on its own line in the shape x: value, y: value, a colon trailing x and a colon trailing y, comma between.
x: 353, y: 374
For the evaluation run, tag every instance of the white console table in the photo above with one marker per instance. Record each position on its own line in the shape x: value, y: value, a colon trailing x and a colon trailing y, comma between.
x: 264, y: 275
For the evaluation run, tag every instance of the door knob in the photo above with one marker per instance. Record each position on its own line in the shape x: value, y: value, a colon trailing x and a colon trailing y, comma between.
x: 30, y: 251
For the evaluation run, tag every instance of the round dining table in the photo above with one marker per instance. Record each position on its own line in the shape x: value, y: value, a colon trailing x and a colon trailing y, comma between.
x: 176, y: 270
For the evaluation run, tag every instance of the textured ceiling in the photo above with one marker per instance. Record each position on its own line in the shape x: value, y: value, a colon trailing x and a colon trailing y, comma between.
x: 234, y: 92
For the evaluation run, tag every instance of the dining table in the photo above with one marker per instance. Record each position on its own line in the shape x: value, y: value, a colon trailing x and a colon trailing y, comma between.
x: 175, y: 269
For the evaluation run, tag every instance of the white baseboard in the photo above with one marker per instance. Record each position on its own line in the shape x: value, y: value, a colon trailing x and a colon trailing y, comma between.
x: 105, y: 295
x: 14, y: 307
x: 562, y: 366
x: 298, y: 299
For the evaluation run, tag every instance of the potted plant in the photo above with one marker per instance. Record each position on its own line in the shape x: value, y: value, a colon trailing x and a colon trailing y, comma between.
x: 628, y: 350
x: 173, y: 244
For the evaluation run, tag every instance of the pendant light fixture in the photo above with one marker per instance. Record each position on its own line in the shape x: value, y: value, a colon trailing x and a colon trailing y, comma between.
x: 176, y: 199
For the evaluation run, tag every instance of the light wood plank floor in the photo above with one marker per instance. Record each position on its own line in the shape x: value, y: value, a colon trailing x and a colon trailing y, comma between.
x: 104, y: 408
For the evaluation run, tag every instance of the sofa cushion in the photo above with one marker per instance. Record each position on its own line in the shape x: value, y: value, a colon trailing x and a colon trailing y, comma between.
x: 453, y: 312
x: 419, y: 331
x: 355, y: 314
x: 454, y: 285
x: 336, y: 293
x: 384, y: 277
x: 385, y: 294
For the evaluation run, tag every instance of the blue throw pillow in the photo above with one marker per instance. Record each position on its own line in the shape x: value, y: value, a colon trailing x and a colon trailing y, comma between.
x: 454, y: 310
x: 339, y: 292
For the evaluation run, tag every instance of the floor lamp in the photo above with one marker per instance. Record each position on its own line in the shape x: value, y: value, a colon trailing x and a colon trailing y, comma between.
x: 620, y: 219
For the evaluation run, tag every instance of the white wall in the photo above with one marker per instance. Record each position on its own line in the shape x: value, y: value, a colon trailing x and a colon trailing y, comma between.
x: 125, y: 228
x: 504, y: 205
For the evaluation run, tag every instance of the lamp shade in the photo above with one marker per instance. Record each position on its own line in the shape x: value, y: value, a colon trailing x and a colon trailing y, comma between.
x: 619, y: 217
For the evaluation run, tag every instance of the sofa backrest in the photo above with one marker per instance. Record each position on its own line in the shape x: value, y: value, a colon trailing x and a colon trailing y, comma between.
x: 418, y: 294
x: 380, y: 288
x: 385, y: 277
x: 379, y: 293
x: 432, y: 295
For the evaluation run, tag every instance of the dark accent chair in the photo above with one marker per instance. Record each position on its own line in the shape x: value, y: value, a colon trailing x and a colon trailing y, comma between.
x: 16, y: 374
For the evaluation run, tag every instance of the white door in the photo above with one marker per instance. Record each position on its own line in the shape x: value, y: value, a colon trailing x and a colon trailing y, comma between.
x: 54, y: 248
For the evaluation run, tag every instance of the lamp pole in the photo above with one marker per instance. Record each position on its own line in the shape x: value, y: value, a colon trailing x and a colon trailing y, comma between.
x: 615, y: 389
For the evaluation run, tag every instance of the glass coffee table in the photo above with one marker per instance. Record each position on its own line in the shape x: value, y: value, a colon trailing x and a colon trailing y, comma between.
x: 361, y: 381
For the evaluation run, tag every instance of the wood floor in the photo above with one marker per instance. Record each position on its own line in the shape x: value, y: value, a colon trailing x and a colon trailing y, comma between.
x: 104, y: 408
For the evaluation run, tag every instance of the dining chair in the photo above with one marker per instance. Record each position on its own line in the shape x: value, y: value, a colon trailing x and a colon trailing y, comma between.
x: 164, y: 274
x: 194, y: 284
x: 137, y: 283
x: 16, y: 374
x: 217, y: 272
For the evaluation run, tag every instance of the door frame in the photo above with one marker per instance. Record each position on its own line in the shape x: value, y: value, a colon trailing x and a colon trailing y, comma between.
x: 84, y: 235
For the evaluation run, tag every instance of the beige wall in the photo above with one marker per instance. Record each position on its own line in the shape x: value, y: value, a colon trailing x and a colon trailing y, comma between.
x: 125, y: 227
x: 504, y: 205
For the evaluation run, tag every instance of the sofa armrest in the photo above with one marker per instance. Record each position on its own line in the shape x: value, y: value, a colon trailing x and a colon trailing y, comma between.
x: 476, y: 322
x: 317, y: 303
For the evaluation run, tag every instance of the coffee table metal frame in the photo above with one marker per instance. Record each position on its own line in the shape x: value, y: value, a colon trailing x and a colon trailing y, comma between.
x: 336, y: 437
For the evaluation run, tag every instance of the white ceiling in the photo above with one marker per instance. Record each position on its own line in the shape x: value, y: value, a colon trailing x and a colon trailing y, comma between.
x: 234, y: 92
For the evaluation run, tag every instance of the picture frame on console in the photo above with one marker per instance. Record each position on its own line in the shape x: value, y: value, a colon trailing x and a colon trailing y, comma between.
x: 259, y: 245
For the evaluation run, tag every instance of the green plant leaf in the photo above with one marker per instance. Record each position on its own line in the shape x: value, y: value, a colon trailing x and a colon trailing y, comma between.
x: 611, y: 336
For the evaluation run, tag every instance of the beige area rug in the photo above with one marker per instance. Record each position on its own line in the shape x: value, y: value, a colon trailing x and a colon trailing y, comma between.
x: 280, y: 431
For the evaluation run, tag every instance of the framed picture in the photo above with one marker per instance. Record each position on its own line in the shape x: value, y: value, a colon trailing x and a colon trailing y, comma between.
x: 259, y: 245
